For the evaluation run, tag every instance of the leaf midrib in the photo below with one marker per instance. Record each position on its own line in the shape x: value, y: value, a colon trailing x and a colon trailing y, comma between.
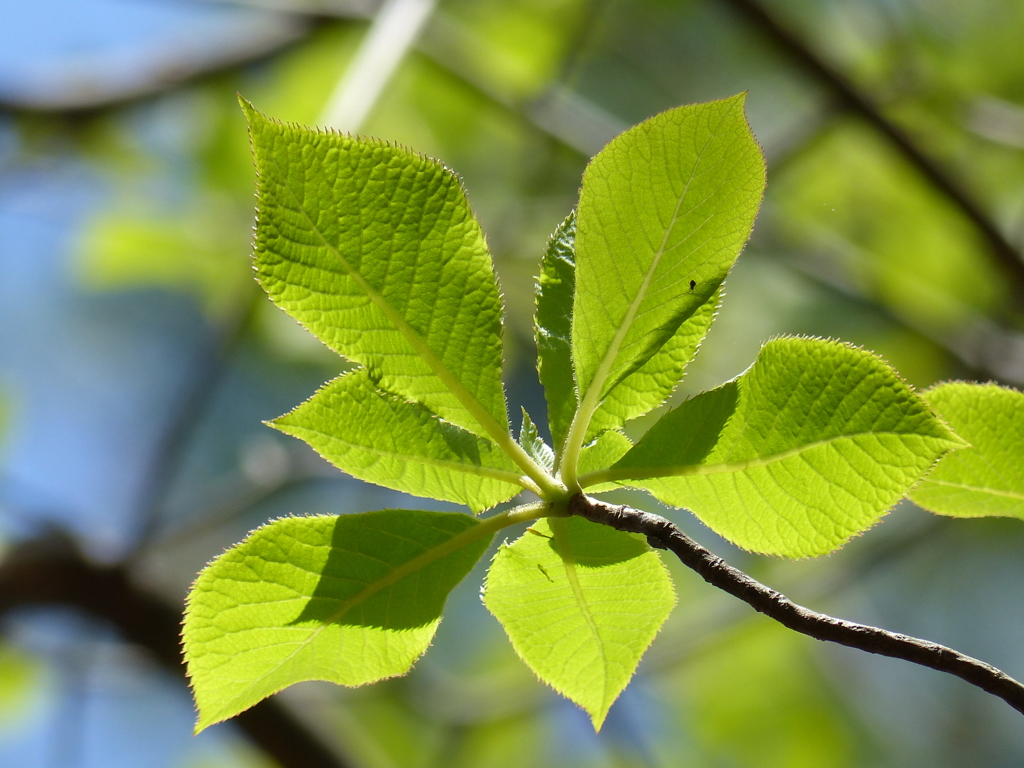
x: 465, y: 538
x: 569, y: 565
x: 591, y: 400
x: 976, y: 488
x: 497, y: 433
x: 620, y: 474
x: 472, y: 469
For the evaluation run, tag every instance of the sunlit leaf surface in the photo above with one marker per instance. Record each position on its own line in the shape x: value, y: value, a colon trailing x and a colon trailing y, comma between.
x: 986, y: 478
x: 664, y: 210
x: 375, y: 250
x: 378, y: 437
x: 580, y: 602
x: 350, y: 599
x: 809, y: 447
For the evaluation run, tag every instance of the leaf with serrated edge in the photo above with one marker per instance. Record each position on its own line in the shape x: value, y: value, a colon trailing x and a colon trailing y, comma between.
x: 654, y: 382
x: 986, y: 478
x: 534, y: 444
x: 637, y: 394
x: 377, y: 437
x: 374, y: 249
x: 350, y: 599
x: 669, y: 201
x: 581, y: 603
x: 553, y: 329
x: 809, y: 447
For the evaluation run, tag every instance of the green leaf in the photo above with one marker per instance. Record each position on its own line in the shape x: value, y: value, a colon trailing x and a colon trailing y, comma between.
x: 553, y: 329
x: 378, y: 437
x: 809, y: 447
x: 668, y: 202
x: 641, y: 391
x: 581, y: 603
x: 988, y: 477
x: 652, y: 383
x: 606, y: 449
x: 374, y: 249
x: 350, y: 599
x: 534, y: 444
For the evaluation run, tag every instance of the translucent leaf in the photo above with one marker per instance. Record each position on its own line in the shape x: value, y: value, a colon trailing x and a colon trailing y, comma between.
x: 652, y: 383
x: 350, y: 599
x: 641, y: 391
x: 809, y: 447
x: 606, y: 449
x: 375, y: 250
x: 534, y: 444
x: 580, y: 603
x: 664, y: 210
x: 378, y: 437
x: 988, y: 477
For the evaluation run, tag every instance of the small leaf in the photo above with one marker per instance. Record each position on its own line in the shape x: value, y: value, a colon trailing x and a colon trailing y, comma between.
x: 534, y: 444
x: 809, y: 447
x: 988, y: 477
x: 374, y: 249
x: 581, y: 603
x: 350, y: 599
x: 664, y: 211
x: 379, y: 438
x: 553, y: 329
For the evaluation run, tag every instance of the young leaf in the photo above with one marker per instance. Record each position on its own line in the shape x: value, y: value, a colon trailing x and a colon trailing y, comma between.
x: 378, y: 437
x: 988, y: 477
x: 664, y: 210
x: 374, y: 249
x: 553, y: 329
x: 580, y: 603
x: 534, y: 444
x: 641, y: 391
x: 809, y: 447
x: 349, y: 599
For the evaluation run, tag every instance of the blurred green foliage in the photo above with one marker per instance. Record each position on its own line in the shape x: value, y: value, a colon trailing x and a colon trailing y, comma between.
x: 851, y: 243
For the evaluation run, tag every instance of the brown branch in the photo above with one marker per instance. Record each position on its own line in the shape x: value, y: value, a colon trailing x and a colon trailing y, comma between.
x: 663, y: 534
x: 52, y: 571
x: 852, y: 98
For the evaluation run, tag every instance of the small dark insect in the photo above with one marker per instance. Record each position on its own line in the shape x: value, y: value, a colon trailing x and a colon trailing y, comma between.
x: 693, y: 284
x: 544, y: 571
x: 537, y: 533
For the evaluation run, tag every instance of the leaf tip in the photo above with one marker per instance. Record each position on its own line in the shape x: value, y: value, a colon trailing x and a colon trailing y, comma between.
x: 251, y: 113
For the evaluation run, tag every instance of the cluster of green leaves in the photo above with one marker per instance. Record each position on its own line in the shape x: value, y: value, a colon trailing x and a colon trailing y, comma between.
x: 375, y: 251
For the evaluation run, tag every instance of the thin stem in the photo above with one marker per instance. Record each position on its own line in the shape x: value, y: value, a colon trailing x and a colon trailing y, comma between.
x: 521, y: 514
x: 663, y: 534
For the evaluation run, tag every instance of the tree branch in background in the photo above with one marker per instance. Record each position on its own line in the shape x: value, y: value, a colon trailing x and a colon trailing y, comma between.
x: 663, y: 534
x: 212, y: 362
x: 853, y: 99
x: 52, y: 571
